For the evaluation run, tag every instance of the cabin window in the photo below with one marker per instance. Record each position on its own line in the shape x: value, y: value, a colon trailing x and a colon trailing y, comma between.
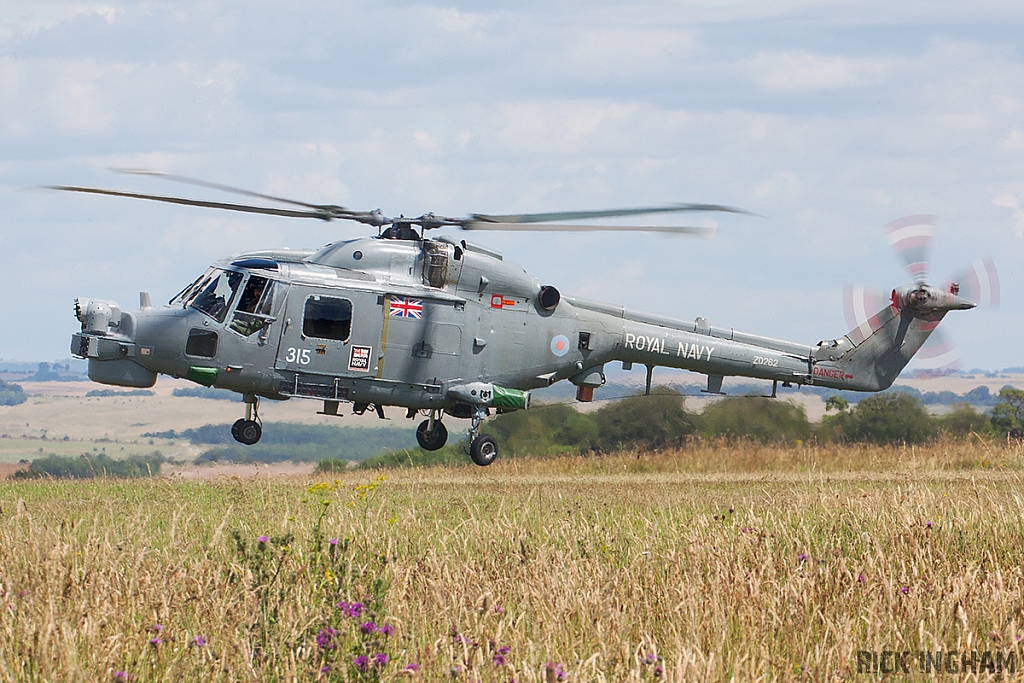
x: 201, y: 343
x: 216, y: 296
x: 327, y: 317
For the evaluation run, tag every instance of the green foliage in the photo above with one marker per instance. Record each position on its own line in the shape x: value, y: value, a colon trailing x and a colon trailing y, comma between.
x: 644, y: 422
x: 106, y: 393
x: 760, y: 419
x: 293, y: 442
x: 11, y: 394
x: 964, y: 420
x: 207, y: 392
x: 836, y: 402
x: 890, y: 419
x: 548, y: 430
x: 90, y: 466
x: 413, y: 457
x: 1008, y: 414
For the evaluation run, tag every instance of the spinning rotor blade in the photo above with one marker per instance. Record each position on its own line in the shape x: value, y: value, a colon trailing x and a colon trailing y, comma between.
x: 270, y: 211
x: 520, y: 218
x: 862, y: 306
x: 558, y: 227
x: 979, y: 282
x: 911, y: 237
x: 938, y: 357
x: 224, y: 188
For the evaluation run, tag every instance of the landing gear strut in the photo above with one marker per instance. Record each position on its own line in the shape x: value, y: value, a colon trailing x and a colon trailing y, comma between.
x: 431, y: 434
x: 482, y: 448
x: 248, y: 429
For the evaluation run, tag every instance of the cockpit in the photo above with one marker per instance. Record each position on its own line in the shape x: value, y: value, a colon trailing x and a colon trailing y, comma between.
x: 217, y: 290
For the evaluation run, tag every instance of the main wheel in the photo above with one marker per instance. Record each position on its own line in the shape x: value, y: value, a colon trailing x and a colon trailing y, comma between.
x: 431, y: 440
x: 247, y: 432
x: 483, y: 450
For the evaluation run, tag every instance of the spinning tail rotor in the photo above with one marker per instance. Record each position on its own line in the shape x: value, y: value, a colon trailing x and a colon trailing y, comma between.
x: 976, y: 285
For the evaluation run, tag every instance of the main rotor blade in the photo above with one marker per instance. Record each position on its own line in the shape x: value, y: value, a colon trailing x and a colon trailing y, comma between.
x: 270, y: 211
x: 609, y: 213
x: 228, y: 188
x: 558, y: 227
x: 911, y: 237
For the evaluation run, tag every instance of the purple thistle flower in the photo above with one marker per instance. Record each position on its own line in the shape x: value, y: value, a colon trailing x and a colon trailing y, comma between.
x: 658, y: 671
x: 504, y: 650
x: 650, y: 658
x: 498, y: 660
x: 155, y: 642
x: 556, y: 669
x: 498, y: 609
x: 929, y: 525
x: 905, y: 589
x: 262, y: 539
x: 380, y: 659
x: 197, y: 641
x: 156, y: 628
x: 802, y: 557
x: 120, y: 676
x: 325, y: 669
x: 861, y: 579
x: 325, y: 639
x: 361, y: 662
x: 332, y: 541
x: 368, y: 627
x: 386, y: 630
x: 355, y: 609
x: 411, y: 667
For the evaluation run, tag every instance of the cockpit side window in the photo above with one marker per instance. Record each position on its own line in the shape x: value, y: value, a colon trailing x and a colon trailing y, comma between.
x: 215, y: 298
x: 255, y: 306
x: 186, y: 295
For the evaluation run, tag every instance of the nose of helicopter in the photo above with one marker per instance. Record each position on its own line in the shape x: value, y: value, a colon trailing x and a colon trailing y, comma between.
x: 107, y: 341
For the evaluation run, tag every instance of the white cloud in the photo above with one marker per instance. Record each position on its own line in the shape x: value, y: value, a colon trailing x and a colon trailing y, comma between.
x: 799, y: 71
x: 1010, y: 202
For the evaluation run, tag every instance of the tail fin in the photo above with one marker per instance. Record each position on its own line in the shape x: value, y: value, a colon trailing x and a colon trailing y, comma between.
x: 884, y: 344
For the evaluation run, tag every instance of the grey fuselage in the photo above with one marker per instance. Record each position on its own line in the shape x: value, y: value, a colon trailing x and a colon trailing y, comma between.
x: 427, y: 320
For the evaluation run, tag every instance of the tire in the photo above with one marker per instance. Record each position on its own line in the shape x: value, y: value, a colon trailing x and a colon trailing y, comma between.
x: 249, y: 432
x: 236, y: 428
x: 431, y: 441
x: 483, y: 450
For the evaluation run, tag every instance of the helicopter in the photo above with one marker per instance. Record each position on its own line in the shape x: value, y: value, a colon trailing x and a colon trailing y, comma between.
x: 444, y: 327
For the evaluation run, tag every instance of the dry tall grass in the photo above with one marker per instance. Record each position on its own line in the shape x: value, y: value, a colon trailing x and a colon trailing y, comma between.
x: 717, y: 563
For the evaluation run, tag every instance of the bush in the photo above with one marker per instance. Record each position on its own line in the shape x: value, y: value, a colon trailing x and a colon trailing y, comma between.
x: 207, y: 392
x: 760, y: 419
x: 89, y: 466
x: 964, y: 420
x: 650, y: 422
x: 890, y: 418
x: 546, y: 430
x: 1008, y: 414
x: 11, y: 394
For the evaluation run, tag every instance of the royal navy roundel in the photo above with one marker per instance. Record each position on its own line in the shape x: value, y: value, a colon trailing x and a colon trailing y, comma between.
x: 560, y: 345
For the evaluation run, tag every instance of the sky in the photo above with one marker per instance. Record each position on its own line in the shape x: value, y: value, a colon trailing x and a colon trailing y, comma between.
x: 828, y: 119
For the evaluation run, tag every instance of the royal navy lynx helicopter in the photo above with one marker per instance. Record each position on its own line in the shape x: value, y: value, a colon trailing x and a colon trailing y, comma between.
x: 446, y: 327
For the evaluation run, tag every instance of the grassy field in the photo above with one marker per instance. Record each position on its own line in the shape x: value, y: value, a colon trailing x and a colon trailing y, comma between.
x: 716, y: 563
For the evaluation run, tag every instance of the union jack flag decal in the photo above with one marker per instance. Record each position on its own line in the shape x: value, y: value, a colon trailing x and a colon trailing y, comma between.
x: 406, y: 308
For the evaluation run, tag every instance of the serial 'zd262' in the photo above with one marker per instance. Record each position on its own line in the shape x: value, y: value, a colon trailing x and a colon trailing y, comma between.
x: 446, y: 327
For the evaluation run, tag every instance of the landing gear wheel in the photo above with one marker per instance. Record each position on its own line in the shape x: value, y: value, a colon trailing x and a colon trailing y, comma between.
x: 247, y: 432
x: 483, y: 450
x: 431, y: 440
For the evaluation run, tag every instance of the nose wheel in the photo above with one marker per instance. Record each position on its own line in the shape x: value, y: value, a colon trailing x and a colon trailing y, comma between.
x: 482, y: 448
x: 248, y: 429
x: 431, y: 434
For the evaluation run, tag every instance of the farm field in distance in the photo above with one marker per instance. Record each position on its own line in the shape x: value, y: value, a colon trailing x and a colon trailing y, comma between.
x: 712, y: 563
